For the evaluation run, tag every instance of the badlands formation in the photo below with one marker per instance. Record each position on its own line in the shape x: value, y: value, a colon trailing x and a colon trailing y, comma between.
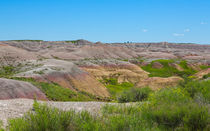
x: 81, y: 66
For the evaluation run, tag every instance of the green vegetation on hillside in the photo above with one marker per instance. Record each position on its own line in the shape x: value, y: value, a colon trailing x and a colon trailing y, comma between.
x: 167, y: 70
x: 72, y: 41
x: 9, y: 70
x: 203, y: 67
x: 166, y: 109
x: 55, y: 92
x: 115, y: 88
x: 6, y: 71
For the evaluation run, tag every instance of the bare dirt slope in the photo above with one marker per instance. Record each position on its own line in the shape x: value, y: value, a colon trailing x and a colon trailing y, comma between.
x: 10, y: 89
x: 84, y: 49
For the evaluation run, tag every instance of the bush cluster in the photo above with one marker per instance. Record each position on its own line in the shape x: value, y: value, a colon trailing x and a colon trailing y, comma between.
x: 166, y: 109
x: 197, y: 88
x: 134, y: 95
x: 206, y: 76
x: 175, y: 109
x: 52, y: 119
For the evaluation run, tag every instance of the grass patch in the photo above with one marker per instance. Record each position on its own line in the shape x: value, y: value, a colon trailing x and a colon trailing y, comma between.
x: 167, y: 70
x: 203, y: 67
x: 9, y: 70
x: 187, y: 70
x: 115, y: 88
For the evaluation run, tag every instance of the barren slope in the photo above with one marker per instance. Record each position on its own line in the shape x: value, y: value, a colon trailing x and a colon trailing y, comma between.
x: 10, y: 89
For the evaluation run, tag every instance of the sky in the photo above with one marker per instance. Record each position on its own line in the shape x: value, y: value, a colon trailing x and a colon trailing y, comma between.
x: 180, y: 21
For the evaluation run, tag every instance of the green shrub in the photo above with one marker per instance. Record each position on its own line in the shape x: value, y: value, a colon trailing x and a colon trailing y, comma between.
x: 52, y: 119
x: 196, y: 118
x: 134, y: 95
x: 120, y: 109
x: 206, y: 76
x: 173, y: 109
x: 198, y: 87
x: 45, y: 118
x: 123, y: 118
x: 189, y: 115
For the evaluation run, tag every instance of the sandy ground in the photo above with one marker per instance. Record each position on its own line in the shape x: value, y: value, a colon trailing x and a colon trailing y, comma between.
x: 17, y: 107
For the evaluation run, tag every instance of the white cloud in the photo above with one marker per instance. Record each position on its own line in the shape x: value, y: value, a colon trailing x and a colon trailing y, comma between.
x: 144, y: 30
x: 176, y: 34
x: 203, y: 23
x: 186, y: 30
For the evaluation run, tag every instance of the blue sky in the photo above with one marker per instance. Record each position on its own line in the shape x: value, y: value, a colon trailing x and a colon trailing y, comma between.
x: 106, y: 20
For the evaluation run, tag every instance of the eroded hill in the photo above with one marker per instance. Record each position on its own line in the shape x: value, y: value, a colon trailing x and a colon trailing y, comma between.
x: 84, y: 71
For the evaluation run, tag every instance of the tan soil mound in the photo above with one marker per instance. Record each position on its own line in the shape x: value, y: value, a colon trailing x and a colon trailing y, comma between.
x: 200, y: 74
x: 158, y: 82
x: 123, y: 73
x: 132, y: 73
x: 11, y: 89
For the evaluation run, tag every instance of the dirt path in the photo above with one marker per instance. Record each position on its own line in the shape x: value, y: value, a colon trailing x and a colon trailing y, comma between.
x: 17, y: 107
